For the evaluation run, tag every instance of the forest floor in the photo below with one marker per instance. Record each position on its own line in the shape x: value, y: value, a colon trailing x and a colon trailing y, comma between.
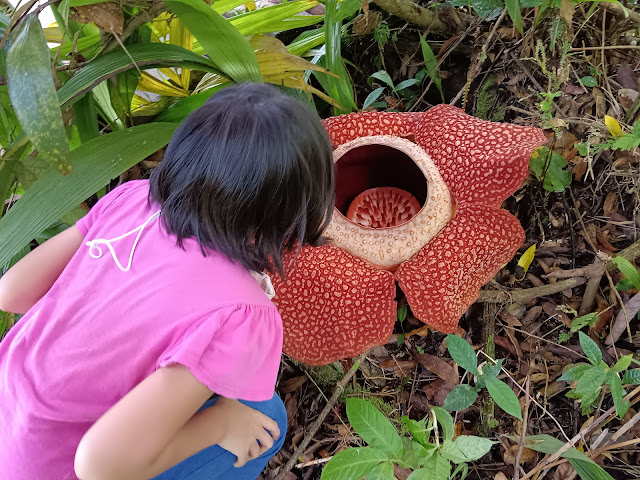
x: 579, y: 208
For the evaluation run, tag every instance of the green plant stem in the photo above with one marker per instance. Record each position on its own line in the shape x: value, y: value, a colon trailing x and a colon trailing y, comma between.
x: 323, y: 414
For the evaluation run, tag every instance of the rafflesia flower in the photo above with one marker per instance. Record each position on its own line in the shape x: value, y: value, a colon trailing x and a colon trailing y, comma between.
x: 418, y: 200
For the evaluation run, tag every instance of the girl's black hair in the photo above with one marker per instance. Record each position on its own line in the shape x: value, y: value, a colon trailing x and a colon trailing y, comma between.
x: 249, y: 174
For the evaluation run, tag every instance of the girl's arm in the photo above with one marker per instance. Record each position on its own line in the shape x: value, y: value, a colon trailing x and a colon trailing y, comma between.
x: 28, y: 280
x: 153, y: 428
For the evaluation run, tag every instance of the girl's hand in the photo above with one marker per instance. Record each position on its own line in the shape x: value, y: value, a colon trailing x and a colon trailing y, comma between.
x: 245, y: 428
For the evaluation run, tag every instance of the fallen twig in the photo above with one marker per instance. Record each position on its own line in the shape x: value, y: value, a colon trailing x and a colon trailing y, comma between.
x: 415, y: 14
x: 318, y: 422
x: 523, y: 432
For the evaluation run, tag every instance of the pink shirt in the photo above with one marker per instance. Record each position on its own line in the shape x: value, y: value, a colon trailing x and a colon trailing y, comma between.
x: 99, y: 331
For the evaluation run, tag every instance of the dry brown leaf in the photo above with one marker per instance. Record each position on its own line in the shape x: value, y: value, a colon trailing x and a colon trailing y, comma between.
x: 500, y: 476
x: 579, y: 170
x: 610, y: 203
x: 627, y: 77
x: 107, y: 16
x: 292, y: 384
x: 438, y: 366
x: 509, y: 456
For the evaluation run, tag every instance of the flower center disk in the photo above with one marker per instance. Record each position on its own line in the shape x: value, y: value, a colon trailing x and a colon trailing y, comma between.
x: 383, y: 207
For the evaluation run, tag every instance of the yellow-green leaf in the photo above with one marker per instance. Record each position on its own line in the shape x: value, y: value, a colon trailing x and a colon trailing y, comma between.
x: 527, y: 258
x: 33, y: 94
x: 614, y: 127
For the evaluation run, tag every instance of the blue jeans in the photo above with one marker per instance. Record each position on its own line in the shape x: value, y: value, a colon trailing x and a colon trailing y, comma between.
x: 215, y: 463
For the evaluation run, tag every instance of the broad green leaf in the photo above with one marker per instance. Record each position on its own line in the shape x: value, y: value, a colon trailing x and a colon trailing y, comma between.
x: 150, y: 55
x: 622, y: 364
x: 402, y: 309
x: 431, y: 66
x: 306, y: 41
x: 95, y: 164
x: 628, y: 270
x: 231, y: 52
x: 33, y: 94
x: 488, y: 370
x: 383, y: 76
x: 550, y: 168
x: 589, y: 81
x: 589, y: 470
x: 504, y: 396
x: 276, y: 18
x: 445, y: 420
x: 473, y: 448
x: 436, y: 468
x: 461, y: 397
x: 590, y: 348
x: 550, y: 445
x: 371, y: 98
x: 514, y: 11
x: 373, y: 426
x: 419, y: 430
x: 591, y: 381
x: 462, y: 353
x: 384, y: 471
x: 462, y: 469
x: 631, y: 377
x: 85, y: 117
x: 575, y: 373
x: 617, y: 393
x: 406, y: 84
x: 451, y: 452
x: 415, y: 455
x: 352, y: 463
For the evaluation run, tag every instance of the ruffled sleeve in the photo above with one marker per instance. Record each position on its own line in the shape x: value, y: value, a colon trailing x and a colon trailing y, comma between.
x: 85, y: 223
x: 235, y: 351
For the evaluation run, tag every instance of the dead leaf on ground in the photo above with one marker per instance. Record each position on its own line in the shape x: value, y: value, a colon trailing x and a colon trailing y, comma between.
x: 107, y: 16
x: 509, y: 456
x: 438, y: 366
x: 399, y: 368
x: 437, y: 391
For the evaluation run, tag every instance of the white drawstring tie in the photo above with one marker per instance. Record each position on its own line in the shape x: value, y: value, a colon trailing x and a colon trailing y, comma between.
x: 96, y: 252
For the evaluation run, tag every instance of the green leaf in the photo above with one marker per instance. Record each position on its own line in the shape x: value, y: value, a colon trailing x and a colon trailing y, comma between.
x: 152, y: 55
x: 431, y: 66
x: 383, y: 76
x: 462, y: 469
x: 626, y: 142
x: 373, y: 426
x: 436, y: 468
x: 451, y: 452
x: 95, y: 164
x: 473, y: 448
x: 590, y: 383
x: 617, y: 393
x: 33, y: 94
x: 461, y: 397
x: 589, y: 470
x: 462, y: 353
x: 372, y: 97
x: 589, y: 81
x: 339, y: 88
x: 628, y: 270
x: 231, y: 52
x: 352, y: 463
x: 384, y: 471
x: 415, y: 455
x: 631, y: 377
x: 445, y: 420
x: 581, y: 322
x: 503, y: 396
x: 406, y: 84
x: 550, y: 445
x: 622, y: 364
x: 575, y: 373
x: 590, y: 348
x: 419, y: 430
x: 550, y: 167
x: 514, y: 11
x: 276, y: 18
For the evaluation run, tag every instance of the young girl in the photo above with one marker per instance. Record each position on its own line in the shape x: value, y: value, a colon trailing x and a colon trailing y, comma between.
x: 155, y: 301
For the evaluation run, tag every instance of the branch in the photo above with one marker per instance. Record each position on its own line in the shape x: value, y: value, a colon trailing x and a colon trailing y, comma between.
x: 414, y: 13
x: 620, y: 11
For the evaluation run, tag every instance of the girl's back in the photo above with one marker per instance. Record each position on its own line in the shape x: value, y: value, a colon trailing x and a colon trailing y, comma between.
x: 101, y: 330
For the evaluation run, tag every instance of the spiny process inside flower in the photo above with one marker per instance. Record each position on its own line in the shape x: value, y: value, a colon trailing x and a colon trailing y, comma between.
x: 383, y: 207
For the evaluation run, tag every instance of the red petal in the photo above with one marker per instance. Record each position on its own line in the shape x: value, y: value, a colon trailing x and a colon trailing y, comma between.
x: 481, y: 162
x: 345, y: 128
x: 444, y: 278
x: 334, y: 305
